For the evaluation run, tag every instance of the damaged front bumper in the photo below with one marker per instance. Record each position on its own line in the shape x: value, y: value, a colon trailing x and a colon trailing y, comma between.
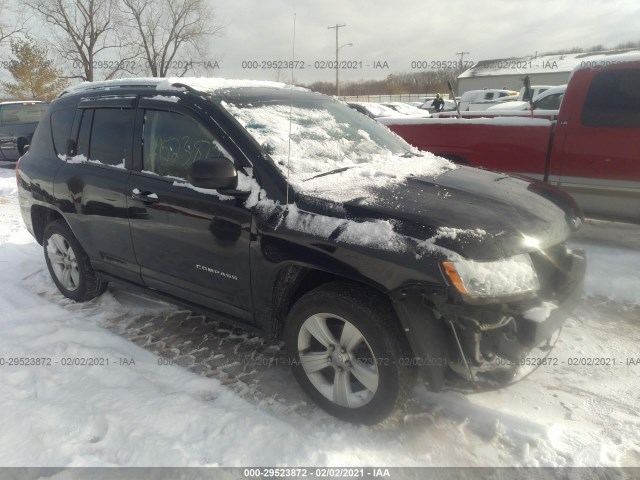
x: 474, y: 346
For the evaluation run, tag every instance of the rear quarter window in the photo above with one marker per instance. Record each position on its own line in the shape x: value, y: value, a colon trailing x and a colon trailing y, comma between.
x: 613, y: 100
x: 42, y: 143
x: 61, y: 123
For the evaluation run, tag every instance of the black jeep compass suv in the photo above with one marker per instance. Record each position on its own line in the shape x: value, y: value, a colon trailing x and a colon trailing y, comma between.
x: 289, y: 214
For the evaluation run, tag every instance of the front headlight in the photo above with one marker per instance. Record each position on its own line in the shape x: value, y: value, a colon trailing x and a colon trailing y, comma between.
x: 511, y: 276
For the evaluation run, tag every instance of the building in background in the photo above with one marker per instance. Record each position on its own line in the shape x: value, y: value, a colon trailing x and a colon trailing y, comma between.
x: 507, y: 73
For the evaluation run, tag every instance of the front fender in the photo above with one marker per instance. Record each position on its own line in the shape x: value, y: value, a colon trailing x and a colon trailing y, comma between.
x: 425, y: 333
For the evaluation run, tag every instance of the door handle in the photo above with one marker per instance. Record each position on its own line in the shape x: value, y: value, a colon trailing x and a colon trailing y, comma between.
x: 147, y: 197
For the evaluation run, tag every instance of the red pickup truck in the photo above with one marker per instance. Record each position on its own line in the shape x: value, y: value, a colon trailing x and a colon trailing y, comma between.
x: 591, y: 150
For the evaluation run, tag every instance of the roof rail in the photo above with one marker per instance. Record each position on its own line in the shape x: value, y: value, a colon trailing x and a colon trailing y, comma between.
x: 150, y: 82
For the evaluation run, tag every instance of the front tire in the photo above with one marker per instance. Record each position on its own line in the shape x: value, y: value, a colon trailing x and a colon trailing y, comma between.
x: 348, y: 353
x: 69, y: 265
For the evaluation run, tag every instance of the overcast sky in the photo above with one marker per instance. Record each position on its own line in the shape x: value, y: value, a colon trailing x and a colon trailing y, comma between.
x: 392, y: 34
x: 402, y: 31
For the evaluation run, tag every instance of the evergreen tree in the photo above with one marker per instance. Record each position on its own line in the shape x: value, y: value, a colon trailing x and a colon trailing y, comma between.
x: 35, y: 75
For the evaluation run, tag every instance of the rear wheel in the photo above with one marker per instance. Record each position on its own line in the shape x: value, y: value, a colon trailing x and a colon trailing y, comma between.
x: 69, y: 265
x: 348, y: 353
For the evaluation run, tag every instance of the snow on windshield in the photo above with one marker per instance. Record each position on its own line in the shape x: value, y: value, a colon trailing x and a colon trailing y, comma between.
x: 326, y: 137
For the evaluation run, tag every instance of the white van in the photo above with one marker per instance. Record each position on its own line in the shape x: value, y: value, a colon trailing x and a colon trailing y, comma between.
x: 522, y: 102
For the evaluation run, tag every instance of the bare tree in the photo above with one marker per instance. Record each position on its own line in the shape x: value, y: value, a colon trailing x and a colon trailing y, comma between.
x: 85, y: 34
x: 172, y: 34
x: 7, y: 31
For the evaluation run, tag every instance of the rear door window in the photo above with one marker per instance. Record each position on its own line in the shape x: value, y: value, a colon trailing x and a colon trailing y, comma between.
x: 61, y: 123
x: 84, y: 132
x: 111, y: 135
x: 613, y: 100
x: 106, y: 135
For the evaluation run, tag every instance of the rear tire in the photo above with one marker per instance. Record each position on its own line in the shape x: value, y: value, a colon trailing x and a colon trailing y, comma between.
x: 69, y: 265
x: 348, y: 353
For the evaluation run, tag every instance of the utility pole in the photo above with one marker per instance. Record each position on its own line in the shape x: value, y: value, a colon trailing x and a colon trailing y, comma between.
x: 462, y: 54
x: 337, y: 27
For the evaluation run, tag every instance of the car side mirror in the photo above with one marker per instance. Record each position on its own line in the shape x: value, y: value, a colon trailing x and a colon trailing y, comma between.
x: 216, y: 173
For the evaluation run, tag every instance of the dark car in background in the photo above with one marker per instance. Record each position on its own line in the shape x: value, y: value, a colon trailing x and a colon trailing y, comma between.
x: 286, y: 213
x: 18, y: 121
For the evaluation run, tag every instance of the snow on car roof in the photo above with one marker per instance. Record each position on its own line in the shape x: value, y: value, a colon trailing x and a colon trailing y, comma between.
x: 202, y: 84
x: 118, y: 83
x: 211, y: 85
x: 21, y: 102
x: 549, y: 63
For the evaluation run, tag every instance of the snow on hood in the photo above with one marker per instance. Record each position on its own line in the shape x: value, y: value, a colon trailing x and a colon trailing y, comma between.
x: 321, y: 143
x: 339, y: 160
x: 379, y: 234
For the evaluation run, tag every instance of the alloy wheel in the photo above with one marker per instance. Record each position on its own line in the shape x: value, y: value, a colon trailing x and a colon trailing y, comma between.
x: 337, y: 360
x: 63, y: 261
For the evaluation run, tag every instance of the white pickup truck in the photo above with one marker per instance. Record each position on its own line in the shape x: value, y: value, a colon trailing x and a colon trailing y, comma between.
x: 544, y: 98
x: 477, y: 100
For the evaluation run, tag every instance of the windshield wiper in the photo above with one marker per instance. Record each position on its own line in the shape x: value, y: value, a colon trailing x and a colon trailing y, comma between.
x: 330, y: 172
x: 342, y: 169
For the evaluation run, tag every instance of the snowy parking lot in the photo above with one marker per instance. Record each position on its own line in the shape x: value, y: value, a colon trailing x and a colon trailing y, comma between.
x: 125, y: 380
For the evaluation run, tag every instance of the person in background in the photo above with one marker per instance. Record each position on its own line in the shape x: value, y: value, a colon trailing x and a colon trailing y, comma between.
x: 438, y: 103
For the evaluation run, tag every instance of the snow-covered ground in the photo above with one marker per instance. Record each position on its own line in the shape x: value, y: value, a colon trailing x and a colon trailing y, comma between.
x: 139, y: 410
